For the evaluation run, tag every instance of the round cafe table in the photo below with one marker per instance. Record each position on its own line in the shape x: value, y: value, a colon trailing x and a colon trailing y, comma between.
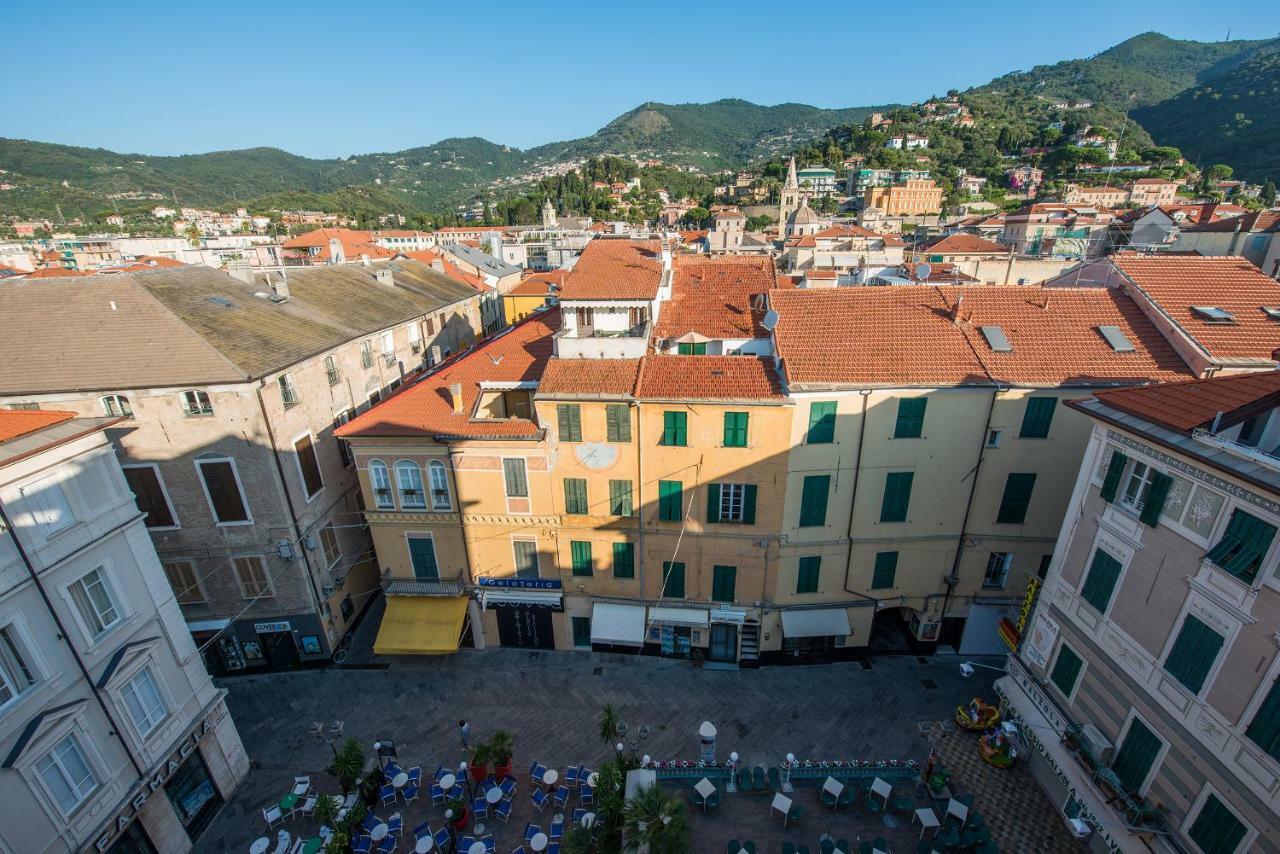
x: 379, y: 833
x: 447, y: 781
x: 260, y: 845
x: 400, y: 779
x: 312, y: 845
x: 592, y: 778
x: 538, y: 842
x: 477, y: 847
x: 288, y: 802
x: 493, y: 795
x: 551, y: 777
x: 425, y: 845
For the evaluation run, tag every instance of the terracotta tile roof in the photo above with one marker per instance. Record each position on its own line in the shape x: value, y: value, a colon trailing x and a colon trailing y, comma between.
x: 940, y: 273
x: 905, y: 335
x: 819, y: 274
x: 20, y: 422
x: 354, y: 243
x: 590, y: 377
x: 426, y: 406
x: 890, y: 240
x: 693, y: 236
x: 709, y: 378
x: 1257, y: 221
x: 53, y: 273
x: 713, y: 297
x: 1187, y: 405
x: 1177, y: 282
x: 615, y: 269
x: 841, y: 231
x: 963, y: 244
x: 805, y: 242
x: 540, y: 284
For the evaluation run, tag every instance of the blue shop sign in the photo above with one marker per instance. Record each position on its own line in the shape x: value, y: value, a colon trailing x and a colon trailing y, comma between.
x: 520, y: 583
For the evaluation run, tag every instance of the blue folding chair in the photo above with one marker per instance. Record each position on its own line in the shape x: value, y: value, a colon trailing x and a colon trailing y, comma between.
x: 503, y: 811
x: 387, y: 794
x: 480, y: 807
x: 585, y: 795
x: 369, y: 822
x: 388, y: 844
x: 437, y: 794
x: 577, y: 815
x: 536, y: 770
x: 395, y: 824
x: 442, y: 838
x: 557, y: 830
x: 490, y: 844
x: 508, y: 787
x: 422, y: 831
x: 571, y: 774
x: 540, y: 799
x: 415, y: 774
x: 465, y: 843
x: 362, y: 845
x: 409, y: 792
x: 562, y: 796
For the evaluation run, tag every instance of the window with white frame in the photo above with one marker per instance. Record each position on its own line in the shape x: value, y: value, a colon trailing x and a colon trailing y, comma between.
x: 331, y: 370
x: 95, y: 602
x: 222, y: 486
x: 366, y: 354
x: 329, y: 545
x: 116, y: 405
x: 388, y: 342
x: 45, y: 507
x: 439, y: 485
x: 415, y: 338
x: 731, y: 501
x: 67, y: 775
x: 196, y: 403
x: 17, y: 675
x: 1137, y: 486
x: 380, y: 482
x: 409, y: 483
x: 288, y: 391
x: 997, y: 574
x: 344, y: 448
x: 142, y: 700
x: 184, y: 581
x: 251, y: 574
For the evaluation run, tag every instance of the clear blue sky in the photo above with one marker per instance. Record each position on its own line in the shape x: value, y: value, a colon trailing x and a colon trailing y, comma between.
x: 331, y: 79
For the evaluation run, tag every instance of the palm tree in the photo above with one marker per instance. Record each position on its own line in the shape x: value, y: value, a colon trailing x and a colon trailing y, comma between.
x: 347, y: 763
x: 656, y: 819
x: 609, y: 724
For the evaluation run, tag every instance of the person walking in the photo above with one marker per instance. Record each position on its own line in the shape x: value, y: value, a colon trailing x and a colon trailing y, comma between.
x: 464, y: 729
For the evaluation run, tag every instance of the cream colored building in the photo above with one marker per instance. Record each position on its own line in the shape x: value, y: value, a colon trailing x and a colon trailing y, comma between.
x: 910, y: 198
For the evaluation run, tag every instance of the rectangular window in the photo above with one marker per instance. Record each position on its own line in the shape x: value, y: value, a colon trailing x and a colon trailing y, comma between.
x: 581, y: 631
x: 1016, y: 499
x: 196, y: 403
x: 997, y: 570
x: 674, y: 429
x: 526, y: 558
x: 694, y: 348
x: 1037, y: 417
x: 1264, y: 729
x: 670, y: 501
x: 580, y: 554
x: 288, y: 391
x: 808, y: 571
x: 305, y: 451
x: 366, y: 354
x: 897, y: 496
x: 331, y: 370
x: 1193, y: 654
x: 422, y: 557
x: 575, y: 496
x: 822, y: 422
x: 1136, y: 755
x: 513, y: 472
x: 620, y: 502
x: 813, y: 500
x: 1243, y: 545
x: 148, y: 491
x: 329, y: 545
x: 95, y: 602
x: 724, y: 583
x: 569, y: 419
x: 1066, y: 670
x: 251, y: 573
x: 1100, y: 582
x: 142, y: 699
x: 672, y: 579
x: 617, y: 417
x: 46, y: 506
x: 1137, y: 487
x: 184, y: 581
x: 344, y: 449
x: 624, y: 560
x: 886, y: 569
x: 910, y: 423
x: 222, y: 487
x: 735, y: 429
x: 1216, y: 829
x: 67, y: 775
x: 16, y: 674
x: 731, y: 502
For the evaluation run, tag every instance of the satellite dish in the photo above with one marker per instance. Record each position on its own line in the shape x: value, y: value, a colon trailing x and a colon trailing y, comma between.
x: 922, y: 272
x: 770, y: 320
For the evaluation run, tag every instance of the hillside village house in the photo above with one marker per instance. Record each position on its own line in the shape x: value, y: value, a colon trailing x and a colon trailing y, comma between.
x: 113, y: 738
x: 1052, y: 228
x: 691, y: 457
x: 988, y: 262
x: 1255, y: 236
x: 914, y: 197
x: 1148, y: 685
x: 229, y: 394
x: 854, y: 254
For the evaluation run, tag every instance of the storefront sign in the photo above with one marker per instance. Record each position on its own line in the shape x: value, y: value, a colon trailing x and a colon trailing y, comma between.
x: 268, y: 628
x: 1028, y: 602
x: 520, y: 583
x: 158, y: 778
x: 1044, y: 632
x: 728, y: 615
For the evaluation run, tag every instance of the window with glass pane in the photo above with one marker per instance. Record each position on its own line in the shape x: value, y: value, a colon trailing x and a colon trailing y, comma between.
x: 1264, y: 729
x: 897, y: 496
x: 674, y: 429
x: 813, y: 500
x: 724, y: 583
x: 735, y: 429
x: 380, y: 480
x: 16, y: 673
x: 808, y: 571
x: 439, y: 485
x: 366, y: 354
x: 580, y: 555
x: 251, y: 573
x: 517, y: 483
x: 148, y: 493
x: 288, y: 392
x: 910, y: 422
x: 1037, y: 417
x: 223, y: 488
x: 886, y: 570
x: 1216, y: 829
x: 670, y: 503
x: 997, y: 569
x: 1193, y: 653
x: 617, y: 418
x: 1137, y: 487
x: 1016, y: 499
x: 196, y: 403
x: 624, y: 560
x: 1100, y: 582
x: 1066, y: 670
x: 329, y: 545
x: 731, y: 501
x: 1136, y: 755
x: 569, y: 418
x: 526, y: 552
x: 672, y: 579
x: 142, y: 699
x: 331, y: 370
x: 575, y: 495
x: 95, y: 602
x: 581, y: 631
x: 45, y: 507
x: 422, y: 557
x: 1243, y: 545
x: 67, y: 775
x: 620, y: 502
x: 305, y: 449
x: 182, y: 578
x: 344, y: 448
x: 117, y: 405
x: 409, y: 485
x: 822, y: 422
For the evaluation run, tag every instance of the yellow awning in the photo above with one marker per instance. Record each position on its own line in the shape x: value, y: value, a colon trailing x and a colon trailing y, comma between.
x: 421, y: 625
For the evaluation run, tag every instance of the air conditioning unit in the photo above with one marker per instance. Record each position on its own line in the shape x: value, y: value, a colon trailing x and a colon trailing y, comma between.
x: 1079, y: 829
x: 1098, y: 745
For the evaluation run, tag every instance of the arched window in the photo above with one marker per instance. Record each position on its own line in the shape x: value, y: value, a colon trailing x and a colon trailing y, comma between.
x: 409, y: 482
x: 381, y: 483
x: 117, y: 405
x: 439, y: 486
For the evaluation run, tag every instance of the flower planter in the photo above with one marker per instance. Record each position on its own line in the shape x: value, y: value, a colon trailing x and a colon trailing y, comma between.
x: 478, y: 771
x: 460, y: 819
x: 501, y: 772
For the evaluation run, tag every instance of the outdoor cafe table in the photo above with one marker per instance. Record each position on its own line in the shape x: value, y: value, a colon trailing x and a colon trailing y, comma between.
x: 400, y: 779
x: 550, y: 777
x: 927, y: 818
x: 424, y: 845
x: 833, y: 787
x: 782, y: 804
x: 447, y: 781
x: 312, y: 845
x: 538, y: 842
x: 705, y: 789
x: 588, y: 820
x: 592, y: 778
x: 288, y: 802
x: 379, y: 833
x: 477, y: 847
x: 260, y: 845
x: 493, y: 795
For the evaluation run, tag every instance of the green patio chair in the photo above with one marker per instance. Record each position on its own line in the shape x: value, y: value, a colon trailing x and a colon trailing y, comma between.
x: 881, y: 843
x: 872, y: 805
x: 796, y: 813
x: 828, y: 799
x: 750, y: 846
x: 827, y: 846
x: 904, y: 805
x: 757, y: 778
x: 864, y: 847
x: 842, y: 846
x: 849, y: 796
x: 775, y: 782
x: 732, y: 847
x: 744, y: 780
x: 803, y: 849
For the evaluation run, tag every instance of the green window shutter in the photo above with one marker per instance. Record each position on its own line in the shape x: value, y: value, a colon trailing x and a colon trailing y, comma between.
x: 673, y: 579
x: 684, y: 349
x: 1066, y: 670
x: 422, y: 556
x: 1100, y: 583
x: 1136, y: 755
x: 575, y: 495
x: 700, y: 348
x: 620, y: 498
x: 724, y: 582
x: 580, y: 553
x: 1017, y: 498
x: 674, y: 429
x: 617, y: 418
x: 582, y: 631
x: 624, y: 560
x: 885, y: 570
x: 807, y: 576
x: 514, y: 474
x: 1037, y: 417
x: 813, y: 500
x: 1243, y: 545
x: 1193, y: 654
x: 713, y: 503
x: 1264, y: 729
x: 910, y: 424
x: 822, y: 422
x: 569, y: 416
x: 692, y: 348
x: 749, y: 504
x: 1216, y: 829
x: 1111, y: 482
x: 1151, y: 511
x: 735, y: 429
x: 669, y: 501
x: 897, y: 496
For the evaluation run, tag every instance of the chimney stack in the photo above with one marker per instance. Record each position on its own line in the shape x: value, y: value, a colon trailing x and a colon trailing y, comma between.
x: 281, y: 287
x: 955, y: 308
x: 437, y: 264
x: 385, y: 276
x: 455, y: 391
x: 336, y: 254
x: 364, y: 259
x: 666, y: 255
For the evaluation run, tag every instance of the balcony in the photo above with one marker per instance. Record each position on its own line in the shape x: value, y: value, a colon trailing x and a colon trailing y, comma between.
x: 421, y: 587
x: 588, y: 342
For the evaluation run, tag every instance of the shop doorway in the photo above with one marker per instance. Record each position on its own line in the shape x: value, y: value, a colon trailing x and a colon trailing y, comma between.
x: 525, y: 626
x: 280, y: 650
x: 724, y: 643
x: 194, y: 797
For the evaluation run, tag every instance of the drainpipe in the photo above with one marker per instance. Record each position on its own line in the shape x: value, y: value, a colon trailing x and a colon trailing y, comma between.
x: 468, y: 576
x: 637, y: 503
x: 968, y: 507
x: 853, y: 499
x: 66, y: 638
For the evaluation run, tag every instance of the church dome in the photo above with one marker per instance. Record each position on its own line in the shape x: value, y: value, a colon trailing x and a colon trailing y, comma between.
x: 803, y: 215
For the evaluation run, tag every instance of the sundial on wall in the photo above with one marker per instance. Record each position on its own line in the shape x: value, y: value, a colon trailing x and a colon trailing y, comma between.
x: 596, y: 455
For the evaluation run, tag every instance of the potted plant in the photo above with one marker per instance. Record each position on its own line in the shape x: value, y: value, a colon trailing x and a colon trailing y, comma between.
x: 347, y: 764
x: 499, y: 750
x: 326, y: 810
x: 461, y: 814
x: 370, y: 786
x: 480, y: 762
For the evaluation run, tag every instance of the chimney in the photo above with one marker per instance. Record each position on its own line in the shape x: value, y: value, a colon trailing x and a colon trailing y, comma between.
x: 666, y: 255
x: 455, y: 391
x: 364, y: 259
x: 281, y: 287
x: 437, y: 264
x: 385, y: 276
x: 955, y: 308
x: 336, y: 254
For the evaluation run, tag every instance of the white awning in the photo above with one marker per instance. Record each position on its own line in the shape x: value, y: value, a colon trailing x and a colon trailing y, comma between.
x: 817, y: 623
x: 548, y: 598
x: 207, y: 625
x: 693, y: 338
x: 696, y: 617
x: 617, y: 624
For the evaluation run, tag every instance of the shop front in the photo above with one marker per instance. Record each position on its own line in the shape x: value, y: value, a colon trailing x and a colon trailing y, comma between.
x: 523, y: 608
x: 677, y: 632
x: 279, y: 644
x: 814, y: 634
x: 725, y: 626
x: 617, y: 626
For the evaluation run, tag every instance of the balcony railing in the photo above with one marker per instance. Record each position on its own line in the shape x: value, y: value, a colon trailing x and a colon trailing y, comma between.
x: 421, y: 587
x: 1238, y: 449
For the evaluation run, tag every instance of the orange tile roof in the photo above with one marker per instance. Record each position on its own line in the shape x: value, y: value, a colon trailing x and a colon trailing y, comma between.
x: 1187, y: 405
x: 805, y: 242
x: 819, y: 274
x: 709, y: 378
x: 590, y: 377
x: 1177, y: 282
x: 838, y: 231
x: 448, y: 268
x: 713, y: 297
x: 53, y: 273
x: 354, y: 243
x: 905, y: 335
x: 20, y: 422
x: 426, y: 407
x: 539, y: 284
x: 615, y: 269
x: 965, y: 244
x: 1257, y: 221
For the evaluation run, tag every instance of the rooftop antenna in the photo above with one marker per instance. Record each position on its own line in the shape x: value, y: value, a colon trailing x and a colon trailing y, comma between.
x: 922, y: 272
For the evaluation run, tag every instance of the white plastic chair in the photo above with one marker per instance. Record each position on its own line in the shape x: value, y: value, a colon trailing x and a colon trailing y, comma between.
x: 271, y: 815
x: 307, y: 806
x: 282, y: 842
x: 302, y: 786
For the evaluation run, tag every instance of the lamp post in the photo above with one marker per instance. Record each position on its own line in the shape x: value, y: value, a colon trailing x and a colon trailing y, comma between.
x: 619, y: 747
x: 732, y: 785
x: 786, y: 781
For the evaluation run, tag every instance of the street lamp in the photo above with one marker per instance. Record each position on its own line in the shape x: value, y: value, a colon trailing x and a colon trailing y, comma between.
x: 619, y: 747
x: 786, y: 784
